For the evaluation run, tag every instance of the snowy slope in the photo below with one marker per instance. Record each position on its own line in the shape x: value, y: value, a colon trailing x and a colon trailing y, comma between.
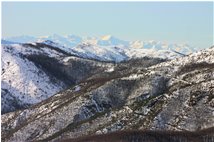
x: 172, y: 95
x: 24, y: 81
x: 103, y: 53
x: 33, y: 72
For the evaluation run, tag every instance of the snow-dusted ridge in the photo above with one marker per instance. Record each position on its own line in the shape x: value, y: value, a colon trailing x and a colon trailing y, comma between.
x: 30, y: 72
x: 110, y: 48
x: 23, y: 79
x: 205, y: 55
x: 172, y: 95
x: 107, y: 48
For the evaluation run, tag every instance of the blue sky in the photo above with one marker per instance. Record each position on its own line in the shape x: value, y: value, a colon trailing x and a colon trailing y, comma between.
x: 173, y: 22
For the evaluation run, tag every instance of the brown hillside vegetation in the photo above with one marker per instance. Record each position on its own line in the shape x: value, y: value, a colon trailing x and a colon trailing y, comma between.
x: 206, y: 135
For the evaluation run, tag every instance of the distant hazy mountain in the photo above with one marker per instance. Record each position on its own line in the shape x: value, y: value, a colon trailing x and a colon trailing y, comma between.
x: 21, y: 39
x: 108, y: 48
x: 71, y: 41
x: 109, y: 40
x: 8, y: 42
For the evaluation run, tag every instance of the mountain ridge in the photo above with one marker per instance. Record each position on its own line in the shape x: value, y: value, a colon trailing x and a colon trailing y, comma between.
x: 171, y: 95
x: 108, y: 53
x: 71, y: 41
x: 41, y: 71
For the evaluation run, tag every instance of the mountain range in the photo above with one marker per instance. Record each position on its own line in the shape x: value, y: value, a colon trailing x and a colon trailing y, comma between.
x: 97, y: 46
x: 52, y: 90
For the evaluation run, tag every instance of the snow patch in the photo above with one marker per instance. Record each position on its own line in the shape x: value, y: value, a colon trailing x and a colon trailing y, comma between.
x: 111, y: 69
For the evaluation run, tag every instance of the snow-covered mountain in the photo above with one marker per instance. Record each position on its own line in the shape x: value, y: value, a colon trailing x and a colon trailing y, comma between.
x: 64, y: 87
x: 22, y: 82
x: 72, y: 41
x: 108, y: 48
x: 35, y: 71
x: 109, y: 40
x: 67, y: 41
x: 31, y: 63
x: 141, y: 95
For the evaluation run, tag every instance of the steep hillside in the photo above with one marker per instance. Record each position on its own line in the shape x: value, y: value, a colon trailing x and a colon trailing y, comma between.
x: 35, y: 71
x: 173, y: 95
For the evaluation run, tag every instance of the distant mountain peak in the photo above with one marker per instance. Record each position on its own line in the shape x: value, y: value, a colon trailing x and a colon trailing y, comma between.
x: 106, y: 37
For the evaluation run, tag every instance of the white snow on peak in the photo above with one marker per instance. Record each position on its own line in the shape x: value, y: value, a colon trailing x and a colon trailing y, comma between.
x: 110, y: 48
x: 106, y: 37
x: 136, y: 44
x: 22, y: 78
